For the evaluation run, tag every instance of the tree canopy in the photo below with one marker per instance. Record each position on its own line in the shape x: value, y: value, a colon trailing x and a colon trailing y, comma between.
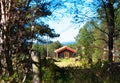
x: 22, y: 25
x: 19, y: 29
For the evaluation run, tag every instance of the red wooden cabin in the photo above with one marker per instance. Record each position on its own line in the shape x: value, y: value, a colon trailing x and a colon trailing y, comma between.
x: 65, y: 52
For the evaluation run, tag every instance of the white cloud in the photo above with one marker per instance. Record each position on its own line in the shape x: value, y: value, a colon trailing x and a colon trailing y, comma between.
x: 68, y: 35
x: 63, y: 24
x: 65, y: 28
x: 89, y: 1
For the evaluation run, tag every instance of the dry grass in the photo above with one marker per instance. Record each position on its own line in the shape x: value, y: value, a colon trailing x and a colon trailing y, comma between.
x: 71, y: 62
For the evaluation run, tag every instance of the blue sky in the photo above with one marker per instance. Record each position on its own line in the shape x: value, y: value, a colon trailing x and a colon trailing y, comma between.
x: 61, y: 20
x: 65, y: 28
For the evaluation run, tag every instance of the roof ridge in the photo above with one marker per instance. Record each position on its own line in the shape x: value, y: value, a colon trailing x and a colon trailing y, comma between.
x: 64, y: 47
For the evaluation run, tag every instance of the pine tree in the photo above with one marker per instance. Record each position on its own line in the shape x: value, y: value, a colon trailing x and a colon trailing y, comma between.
x: 85, y: 40
x: 17, y: 18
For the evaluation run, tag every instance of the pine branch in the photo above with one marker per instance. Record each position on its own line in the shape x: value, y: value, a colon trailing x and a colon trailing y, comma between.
x: 101, y: 39
x: 99, y: 28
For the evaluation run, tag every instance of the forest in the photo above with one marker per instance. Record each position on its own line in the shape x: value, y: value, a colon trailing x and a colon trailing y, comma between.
x: 27, y: 56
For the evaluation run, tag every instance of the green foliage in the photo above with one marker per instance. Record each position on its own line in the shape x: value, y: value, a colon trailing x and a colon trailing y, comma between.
x: 54, y: 74
x: 117, y: 22
x: 85, y: 40
x: 41, y: 48
x: 97, y: 73
x: 19, y: 30
x: 72, y: 45
x: 99, y: 44
x: 52, y: 47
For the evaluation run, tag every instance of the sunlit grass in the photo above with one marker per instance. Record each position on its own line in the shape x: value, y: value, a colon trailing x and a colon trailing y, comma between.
x: 72, y: 62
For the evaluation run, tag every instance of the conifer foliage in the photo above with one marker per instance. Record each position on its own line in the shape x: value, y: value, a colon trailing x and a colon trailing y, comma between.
x: 19, y: 29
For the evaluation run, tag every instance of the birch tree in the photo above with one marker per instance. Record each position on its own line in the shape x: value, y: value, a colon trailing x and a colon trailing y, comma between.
x: 5, y: 17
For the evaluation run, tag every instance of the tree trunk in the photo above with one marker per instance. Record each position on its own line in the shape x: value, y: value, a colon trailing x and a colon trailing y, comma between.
x: 111, y: 26
x: 5, y: 10
x: 8, y: 56
x: 109, y: 11
x: 9, y: 63
x: 0, y: 66
x: 35, y: 67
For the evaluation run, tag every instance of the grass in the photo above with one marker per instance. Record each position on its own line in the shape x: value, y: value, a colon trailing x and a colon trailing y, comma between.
x: 70, y: 62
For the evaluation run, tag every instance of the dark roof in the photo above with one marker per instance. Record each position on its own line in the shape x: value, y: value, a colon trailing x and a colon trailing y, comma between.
x: 65, y: 48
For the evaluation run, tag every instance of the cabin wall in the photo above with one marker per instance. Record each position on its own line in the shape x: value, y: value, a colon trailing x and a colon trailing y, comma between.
x: 66, y: 54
